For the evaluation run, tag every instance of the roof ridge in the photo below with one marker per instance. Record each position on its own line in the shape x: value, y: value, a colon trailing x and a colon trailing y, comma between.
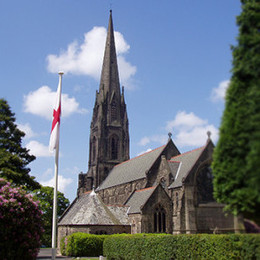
x: 140, y: 155
x: 149, y: 188
x: 187, y: 152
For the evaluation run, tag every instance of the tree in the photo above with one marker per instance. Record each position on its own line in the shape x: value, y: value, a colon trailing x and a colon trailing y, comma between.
x: 236, y: 161
x: 13, y: 157
x: 45, y: 196
x: 20, y: 223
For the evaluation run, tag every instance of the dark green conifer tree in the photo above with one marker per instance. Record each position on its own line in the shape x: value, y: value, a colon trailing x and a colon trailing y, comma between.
x: 13, y: 157
x: 236, y: 164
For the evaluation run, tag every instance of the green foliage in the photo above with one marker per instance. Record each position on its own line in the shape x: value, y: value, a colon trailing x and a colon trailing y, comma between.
x: 20, y: 223
x: 82, y: 244
x: 13, y: 157
x: 236, y: 164
x: 201, y: 246
x: 45, y: 196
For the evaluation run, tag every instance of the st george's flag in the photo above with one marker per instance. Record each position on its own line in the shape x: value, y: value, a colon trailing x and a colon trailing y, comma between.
x: 55, y: 128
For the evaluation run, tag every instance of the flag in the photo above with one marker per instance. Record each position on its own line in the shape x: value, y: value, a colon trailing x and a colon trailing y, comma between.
x: 55, y: 128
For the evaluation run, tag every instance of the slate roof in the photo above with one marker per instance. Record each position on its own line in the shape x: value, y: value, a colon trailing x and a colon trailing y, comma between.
x: 138, y: 200
x: 174, y: 166
x: 182, y: 165
x: 89, y: 209
x: 131, y: 170
x: 120, y: 212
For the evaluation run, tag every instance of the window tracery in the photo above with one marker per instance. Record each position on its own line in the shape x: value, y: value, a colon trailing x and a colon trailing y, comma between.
x: 159, y: 220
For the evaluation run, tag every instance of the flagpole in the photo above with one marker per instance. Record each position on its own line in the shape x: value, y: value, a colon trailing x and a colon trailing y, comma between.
x: 54, y: 219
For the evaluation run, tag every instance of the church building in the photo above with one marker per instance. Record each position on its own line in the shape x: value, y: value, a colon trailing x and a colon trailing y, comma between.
x: 161, y: 191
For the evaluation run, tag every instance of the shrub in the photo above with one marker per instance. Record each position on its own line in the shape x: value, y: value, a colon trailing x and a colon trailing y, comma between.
x: 199, y: 246
x: 82, y: 244
x: 20, y: 223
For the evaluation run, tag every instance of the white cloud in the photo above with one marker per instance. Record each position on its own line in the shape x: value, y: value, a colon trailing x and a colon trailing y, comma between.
x: 190, y: 130
x: 86, y: 58
x: 219, y: 93
x: 26, y: 128
x: 40, y: 102
x: 38, y: 149
x: 161, y: 139
x: 144, y: 141
x: 195, y: 136
x: 62, y: 183
x: 184, y: 121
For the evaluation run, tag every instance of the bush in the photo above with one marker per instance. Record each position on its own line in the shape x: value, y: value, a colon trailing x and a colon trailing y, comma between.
x: 20, y: 223
x: 200, y: 246
x: 82, y: 244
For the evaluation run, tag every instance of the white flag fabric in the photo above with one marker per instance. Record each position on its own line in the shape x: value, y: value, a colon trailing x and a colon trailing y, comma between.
x: 55, y: 128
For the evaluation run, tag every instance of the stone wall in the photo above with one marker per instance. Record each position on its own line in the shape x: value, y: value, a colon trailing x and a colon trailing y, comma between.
x: 212, y: 219
x: 118, y: 195
x: 136, y: 223
x: 159, y: 199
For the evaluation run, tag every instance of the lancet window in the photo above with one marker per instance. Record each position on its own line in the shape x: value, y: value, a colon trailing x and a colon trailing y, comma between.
x: 159, y: 220
x: 114, y: 147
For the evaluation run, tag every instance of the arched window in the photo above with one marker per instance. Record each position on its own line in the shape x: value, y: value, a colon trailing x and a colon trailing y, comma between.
x: 114, y: 147
x: 113, y: 111
x: 159, y: 220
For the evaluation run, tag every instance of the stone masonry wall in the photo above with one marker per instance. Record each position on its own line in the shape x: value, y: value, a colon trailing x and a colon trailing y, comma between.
x: 117, y: 195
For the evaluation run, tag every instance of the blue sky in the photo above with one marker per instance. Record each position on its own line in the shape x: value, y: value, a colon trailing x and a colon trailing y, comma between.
x: 174, y: 61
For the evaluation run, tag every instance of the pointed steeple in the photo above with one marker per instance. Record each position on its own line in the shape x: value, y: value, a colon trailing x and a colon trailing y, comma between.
x: 109, y: 82
x: 109, y: 134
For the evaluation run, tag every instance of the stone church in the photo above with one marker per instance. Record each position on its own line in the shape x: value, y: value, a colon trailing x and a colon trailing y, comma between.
x: 161, y: 191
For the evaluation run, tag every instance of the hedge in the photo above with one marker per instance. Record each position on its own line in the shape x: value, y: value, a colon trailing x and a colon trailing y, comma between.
x: 82, y: 244
x: 199, y: 246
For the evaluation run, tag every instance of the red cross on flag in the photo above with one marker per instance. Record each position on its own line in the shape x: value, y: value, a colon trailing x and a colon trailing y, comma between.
x: 55, y: 128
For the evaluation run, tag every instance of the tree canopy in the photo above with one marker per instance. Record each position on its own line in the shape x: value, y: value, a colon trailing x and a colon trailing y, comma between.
x: 13, y: 157
x: 45, y: 196
x: 236, y: 164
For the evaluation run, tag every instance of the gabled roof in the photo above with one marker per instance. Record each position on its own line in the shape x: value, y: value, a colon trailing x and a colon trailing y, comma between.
x: 182, y: 164
x: 138, y: 200
x: 89, y: 209
x: 131, y: 170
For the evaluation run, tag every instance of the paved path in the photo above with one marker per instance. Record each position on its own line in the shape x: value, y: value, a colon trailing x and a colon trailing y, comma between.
x: 45, y: 253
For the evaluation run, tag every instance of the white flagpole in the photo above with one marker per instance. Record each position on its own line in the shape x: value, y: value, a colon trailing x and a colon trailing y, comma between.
x: 54, y: 219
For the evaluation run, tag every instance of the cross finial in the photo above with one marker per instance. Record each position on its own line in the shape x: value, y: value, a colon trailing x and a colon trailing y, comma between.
x: 170, y: 135
x: 209, y: 135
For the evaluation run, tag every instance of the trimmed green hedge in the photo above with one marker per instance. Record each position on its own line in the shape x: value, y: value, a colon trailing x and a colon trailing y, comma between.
x: 82, y: 244
x: 200, y: 246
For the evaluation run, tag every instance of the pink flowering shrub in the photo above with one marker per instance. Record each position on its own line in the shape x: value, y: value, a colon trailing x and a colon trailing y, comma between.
x: 20, y: 223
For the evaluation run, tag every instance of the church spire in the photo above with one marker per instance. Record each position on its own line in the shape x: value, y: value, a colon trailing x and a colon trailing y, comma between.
x: 109, y: 134
x: 109, y: 82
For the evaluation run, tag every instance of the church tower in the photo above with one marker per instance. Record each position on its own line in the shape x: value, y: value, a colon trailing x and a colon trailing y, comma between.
x: 109, y: 135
